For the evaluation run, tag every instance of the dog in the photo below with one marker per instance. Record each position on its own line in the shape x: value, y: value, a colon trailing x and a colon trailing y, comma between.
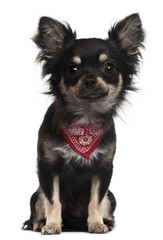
x: 89, y: 80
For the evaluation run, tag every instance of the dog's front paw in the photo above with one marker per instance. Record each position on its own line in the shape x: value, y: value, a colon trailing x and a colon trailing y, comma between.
x: 97, y: 228
x: 51, y: 228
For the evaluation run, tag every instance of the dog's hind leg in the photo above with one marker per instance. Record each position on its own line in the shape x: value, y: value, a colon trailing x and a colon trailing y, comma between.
x: 37, y: 217
x: 109, y: 208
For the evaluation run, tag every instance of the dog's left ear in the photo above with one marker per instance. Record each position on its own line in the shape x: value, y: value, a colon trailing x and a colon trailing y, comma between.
x: 128, y: 36
x: 52, y: 37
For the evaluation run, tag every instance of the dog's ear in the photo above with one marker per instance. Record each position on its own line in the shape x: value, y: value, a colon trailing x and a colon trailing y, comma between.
x: 128, y: 35
x: 52, y: 37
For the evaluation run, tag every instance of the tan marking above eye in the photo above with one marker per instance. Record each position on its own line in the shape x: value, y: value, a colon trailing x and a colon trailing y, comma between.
x: 77, y: 60
x: 103, y: 57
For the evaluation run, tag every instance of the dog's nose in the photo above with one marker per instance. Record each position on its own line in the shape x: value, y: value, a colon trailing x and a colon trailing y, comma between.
x: 90, y: 83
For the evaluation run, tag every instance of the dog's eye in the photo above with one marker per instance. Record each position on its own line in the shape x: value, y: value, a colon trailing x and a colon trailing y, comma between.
x: 109, y: 68
x: 72, y: 70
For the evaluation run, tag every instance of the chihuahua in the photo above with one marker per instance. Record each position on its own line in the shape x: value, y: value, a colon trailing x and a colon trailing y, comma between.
x: 89, y: 80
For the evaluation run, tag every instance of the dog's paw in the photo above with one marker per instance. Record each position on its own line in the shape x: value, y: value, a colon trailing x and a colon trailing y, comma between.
x: 38, y: 225
x: 97, y: 228
x: 110, y: 224
x: 51, y: 228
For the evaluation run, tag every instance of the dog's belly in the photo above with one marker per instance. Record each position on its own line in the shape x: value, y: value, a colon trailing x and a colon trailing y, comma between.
x: 75, y: 185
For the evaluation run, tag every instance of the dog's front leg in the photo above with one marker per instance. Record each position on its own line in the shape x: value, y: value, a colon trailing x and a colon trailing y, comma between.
x: 53, y: 211
x: 95, y: 210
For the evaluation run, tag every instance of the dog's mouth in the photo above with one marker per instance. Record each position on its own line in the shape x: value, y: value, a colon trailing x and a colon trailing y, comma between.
x: 92, y: 95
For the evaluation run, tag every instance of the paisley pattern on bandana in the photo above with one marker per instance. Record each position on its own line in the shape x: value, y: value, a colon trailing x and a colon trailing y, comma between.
x: 84, y: 138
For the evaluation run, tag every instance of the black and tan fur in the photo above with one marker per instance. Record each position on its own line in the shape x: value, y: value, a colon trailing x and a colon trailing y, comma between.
x: 89, y: 79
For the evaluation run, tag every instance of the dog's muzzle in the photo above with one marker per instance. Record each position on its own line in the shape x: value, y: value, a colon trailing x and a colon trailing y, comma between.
x: 90, y: 89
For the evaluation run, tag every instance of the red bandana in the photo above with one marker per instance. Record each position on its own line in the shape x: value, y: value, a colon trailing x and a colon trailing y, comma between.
x: 84, y: 138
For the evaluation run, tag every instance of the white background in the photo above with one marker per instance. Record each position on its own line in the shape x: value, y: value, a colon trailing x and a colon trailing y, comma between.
x: 138, y: 174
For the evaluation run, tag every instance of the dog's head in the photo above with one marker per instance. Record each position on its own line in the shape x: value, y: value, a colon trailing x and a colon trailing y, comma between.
x: 84, y: 72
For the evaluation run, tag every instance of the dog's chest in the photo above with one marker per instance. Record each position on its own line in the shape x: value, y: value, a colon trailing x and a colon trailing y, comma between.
x: 81, y: 143
x: 68, y: 154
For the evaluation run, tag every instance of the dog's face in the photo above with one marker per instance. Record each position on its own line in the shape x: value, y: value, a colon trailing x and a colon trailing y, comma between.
x: 90, y: 71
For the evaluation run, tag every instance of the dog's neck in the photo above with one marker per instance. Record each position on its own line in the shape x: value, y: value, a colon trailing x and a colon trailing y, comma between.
x: 83, y: 114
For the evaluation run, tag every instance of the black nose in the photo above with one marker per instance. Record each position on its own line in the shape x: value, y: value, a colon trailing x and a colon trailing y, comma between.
x: 90, y: 83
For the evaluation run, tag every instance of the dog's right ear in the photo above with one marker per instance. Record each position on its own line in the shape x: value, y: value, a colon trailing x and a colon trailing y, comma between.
x: 52, y: 37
